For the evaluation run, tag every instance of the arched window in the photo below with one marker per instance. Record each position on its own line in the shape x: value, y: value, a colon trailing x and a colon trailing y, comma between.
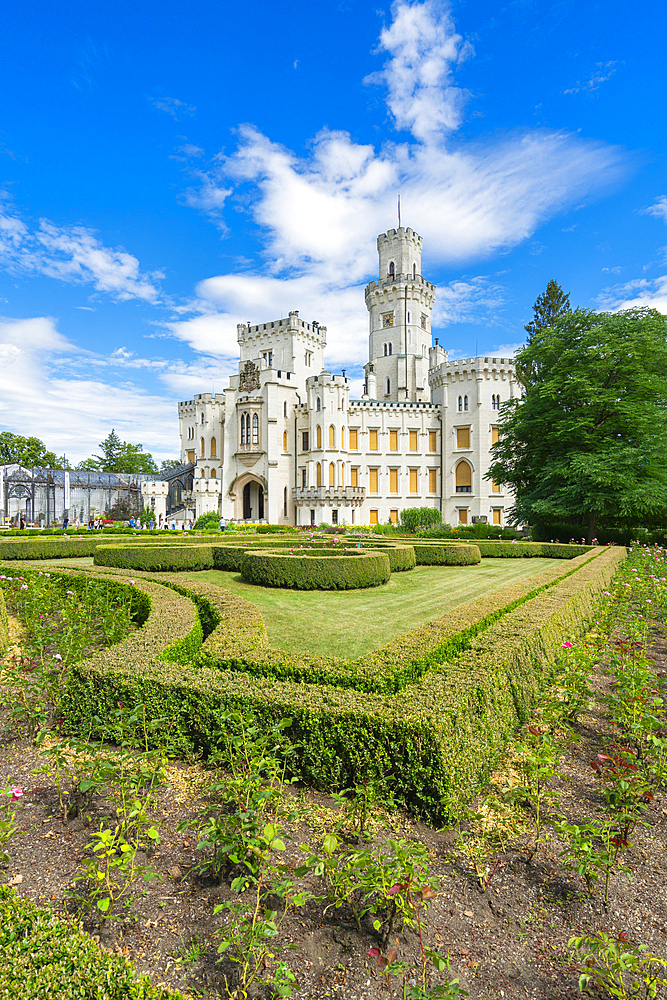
x: 255, y: 429
x: 342, y: 437
x: 318, y: 435
x: 463, y: 478
x: 385, y: 350
x: 332, y: 474
x: 214, y: 474
x: 319, y: 403
x: 203, y: 474
x: 460, y: 404
x: 244, y: 439
x: 414, y: 270
x: 318, y: 473
x: 388, y: 386
x: 202, y: 418
x: 465, y: 402
x: 284, y: 440
x: 332, y: 436
x: 285, y: 408
x: 202, y: 447
x: 285, y: 502
x: 214, y: 448
x: 390, y: 348
x: 342, y: 476
x: 391, y: 269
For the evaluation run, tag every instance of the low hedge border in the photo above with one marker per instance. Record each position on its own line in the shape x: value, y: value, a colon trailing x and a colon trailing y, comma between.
x: 316, y: 569
x: 171, y: 629
x: 444, y: 732
x: 160, y: 558
x: 45, y: 956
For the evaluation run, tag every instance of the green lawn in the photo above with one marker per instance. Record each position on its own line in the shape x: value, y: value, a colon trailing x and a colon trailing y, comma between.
x: 349, y: 623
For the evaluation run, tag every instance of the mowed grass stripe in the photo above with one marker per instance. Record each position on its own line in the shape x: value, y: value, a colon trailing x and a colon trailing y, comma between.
x: 353, y: 622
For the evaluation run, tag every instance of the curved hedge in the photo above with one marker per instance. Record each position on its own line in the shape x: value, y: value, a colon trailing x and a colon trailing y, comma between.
x: 444, y: 731
x: 162, y: 557
x: 316, y: 569
x: 44, y: 956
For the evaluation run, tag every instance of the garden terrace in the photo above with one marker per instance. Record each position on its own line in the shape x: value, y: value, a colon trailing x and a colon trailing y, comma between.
x: 434, y: 708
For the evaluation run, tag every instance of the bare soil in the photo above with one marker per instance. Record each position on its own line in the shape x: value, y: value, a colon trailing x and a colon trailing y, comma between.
x: 508, y: 939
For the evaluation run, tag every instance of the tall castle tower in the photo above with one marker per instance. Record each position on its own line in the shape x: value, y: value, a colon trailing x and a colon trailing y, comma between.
x: 399, y: 306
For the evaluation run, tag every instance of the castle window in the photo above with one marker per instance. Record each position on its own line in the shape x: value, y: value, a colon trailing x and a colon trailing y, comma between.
x: 433, y: 480
x: 202, y: 475
x: 268, y: 356
x: 423, y: 322
x: 414, y: 270
x: 373, y: 440
x: 284, y: 440
x: 385, y: 350
x: 332, y: 436
x: 393, y: 480
x: 332, y: 474
x: 495, y: 487
x: 312, y: 517
x: 391, y: 269
x: 413, y: 441
x: 496, y: 515
x: 373, y: 516
x: 214, y: 448
x: 319, y: 404
x: 463, y: 515
x: 462, y: 437
x: 202, y: 418
x: 342, y: 438
x: 342, y: 476
x: 305, y: 441
x: 285, y: 408
x: 463, y: 478
x: 414, y: 479
x: 318, y: 473
x: 285, y: 502
x: 318, y: 435
x: 372, y: 480
x: 408, y: 319
x: 432, y: 440
x: 303, y: 479
x: 460, y: 404
x: 214, y: 474
x: 308, y: 358
x: 495, y: 435
x: 393, y: 440
x: 465, y: 402
x: 255, y: 429
x: 393, y: 516
x: 334, y: 516
x: 354, y: 436
x: 388, y: 386
x: 390, y: 348
x: 354, y: 477
x: 202, y: 448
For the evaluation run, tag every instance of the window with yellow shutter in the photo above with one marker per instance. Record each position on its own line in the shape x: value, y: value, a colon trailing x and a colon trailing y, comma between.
x: 413, y: 440
x: 373, y: 480
x: 433, y: 480
x: 463, y: 517
x: 332, y: 474
x: 353, y: 440
x: 393, y: 440
x: 393, y: 480
x: 432, y: 440
x: 496, y: 515
x: 495, y: 487
x: 318, y: 436
x: 463, y: 478
x: 374, y: 517
x: 393, y: 516
x: 332, y: 436
x: 462, y: 437
x: 413, y: 481
x: 494, y: 435
x: 373, y: 440
x: 354, y: 477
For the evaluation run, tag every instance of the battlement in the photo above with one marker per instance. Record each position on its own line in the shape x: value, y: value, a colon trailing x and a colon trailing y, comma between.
x: 404, y: 233
x: 292, y: 324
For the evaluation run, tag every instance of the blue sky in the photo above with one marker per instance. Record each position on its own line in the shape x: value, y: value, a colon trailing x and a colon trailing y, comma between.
x: 168, y: 170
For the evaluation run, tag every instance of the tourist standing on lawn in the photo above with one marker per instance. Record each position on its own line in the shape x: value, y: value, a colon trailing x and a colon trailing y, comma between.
x: 222, y: 522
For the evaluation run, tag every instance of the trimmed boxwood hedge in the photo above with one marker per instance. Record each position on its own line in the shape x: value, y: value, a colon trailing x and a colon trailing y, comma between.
x: 161, y: 558
x: 447, y: 555
x: 443, y: 732
x: 44, y: 956
x: 316, y: 569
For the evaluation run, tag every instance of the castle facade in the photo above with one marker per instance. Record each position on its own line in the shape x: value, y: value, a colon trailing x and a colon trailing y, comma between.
x: 285, y: 443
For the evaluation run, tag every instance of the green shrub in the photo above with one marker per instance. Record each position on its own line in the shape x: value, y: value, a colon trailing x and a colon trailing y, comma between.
x: 447, y: 555
x: 44, y: 956
x: 420, y: 517
x: 316, y: 569
x: 161, y: 557
x: 209, y: 520
x: 441, y: 733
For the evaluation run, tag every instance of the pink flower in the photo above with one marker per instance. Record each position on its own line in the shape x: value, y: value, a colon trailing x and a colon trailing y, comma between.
x: 57, y: 656
x: 24, y: 586
x: 568, y: 645
x: 17, y: 792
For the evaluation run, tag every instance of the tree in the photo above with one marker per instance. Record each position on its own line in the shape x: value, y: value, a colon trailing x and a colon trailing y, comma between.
x: 588, y: 442
x: 29, y: 452
x: 548, y: 307
x: 167, y: 464
x: 119, y: 456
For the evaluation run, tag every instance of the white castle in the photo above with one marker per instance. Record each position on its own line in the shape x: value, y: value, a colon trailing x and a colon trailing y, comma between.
x: 285, y: 443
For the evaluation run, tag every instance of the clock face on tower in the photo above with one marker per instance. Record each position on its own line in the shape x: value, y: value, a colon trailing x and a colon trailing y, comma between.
x: 387, y: 320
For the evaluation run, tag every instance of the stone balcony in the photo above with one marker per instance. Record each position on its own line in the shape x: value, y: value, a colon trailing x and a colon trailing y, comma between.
x: 329, y: 496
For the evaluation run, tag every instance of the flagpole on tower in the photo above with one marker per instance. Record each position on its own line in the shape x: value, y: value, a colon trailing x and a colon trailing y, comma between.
x: 399, y: 211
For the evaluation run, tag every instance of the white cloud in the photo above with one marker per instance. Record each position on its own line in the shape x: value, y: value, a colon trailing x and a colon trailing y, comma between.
x: 81, y: 411
x: 73, y: 254
x: 650, y: 292
x: 658, y: 209
x: 603, y: 71
x: 423, y: 47
x: 172, y: 106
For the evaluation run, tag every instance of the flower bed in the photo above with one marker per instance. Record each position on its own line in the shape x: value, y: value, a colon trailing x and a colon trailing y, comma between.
x: 316, y: 569
x: 444, y: 729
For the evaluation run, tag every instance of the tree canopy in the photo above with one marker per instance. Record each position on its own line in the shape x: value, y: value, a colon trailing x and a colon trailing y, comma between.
x: 119, y: 456
x: 588, y: 441
x: 29, y: 452
x: 548, y: 307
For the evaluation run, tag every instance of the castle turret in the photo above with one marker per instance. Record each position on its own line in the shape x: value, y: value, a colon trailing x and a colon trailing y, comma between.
x: 399, y: 306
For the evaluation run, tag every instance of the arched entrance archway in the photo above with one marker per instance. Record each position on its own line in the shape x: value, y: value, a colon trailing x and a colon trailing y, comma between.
x: 249, y: 502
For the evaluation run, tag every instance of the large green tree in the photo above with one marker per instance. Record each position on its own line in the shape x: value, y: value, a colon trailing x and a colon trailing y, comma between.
x: 587, y: 443
x: 551, y: 304
x: 29, y: 452
x: 119, y: 456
